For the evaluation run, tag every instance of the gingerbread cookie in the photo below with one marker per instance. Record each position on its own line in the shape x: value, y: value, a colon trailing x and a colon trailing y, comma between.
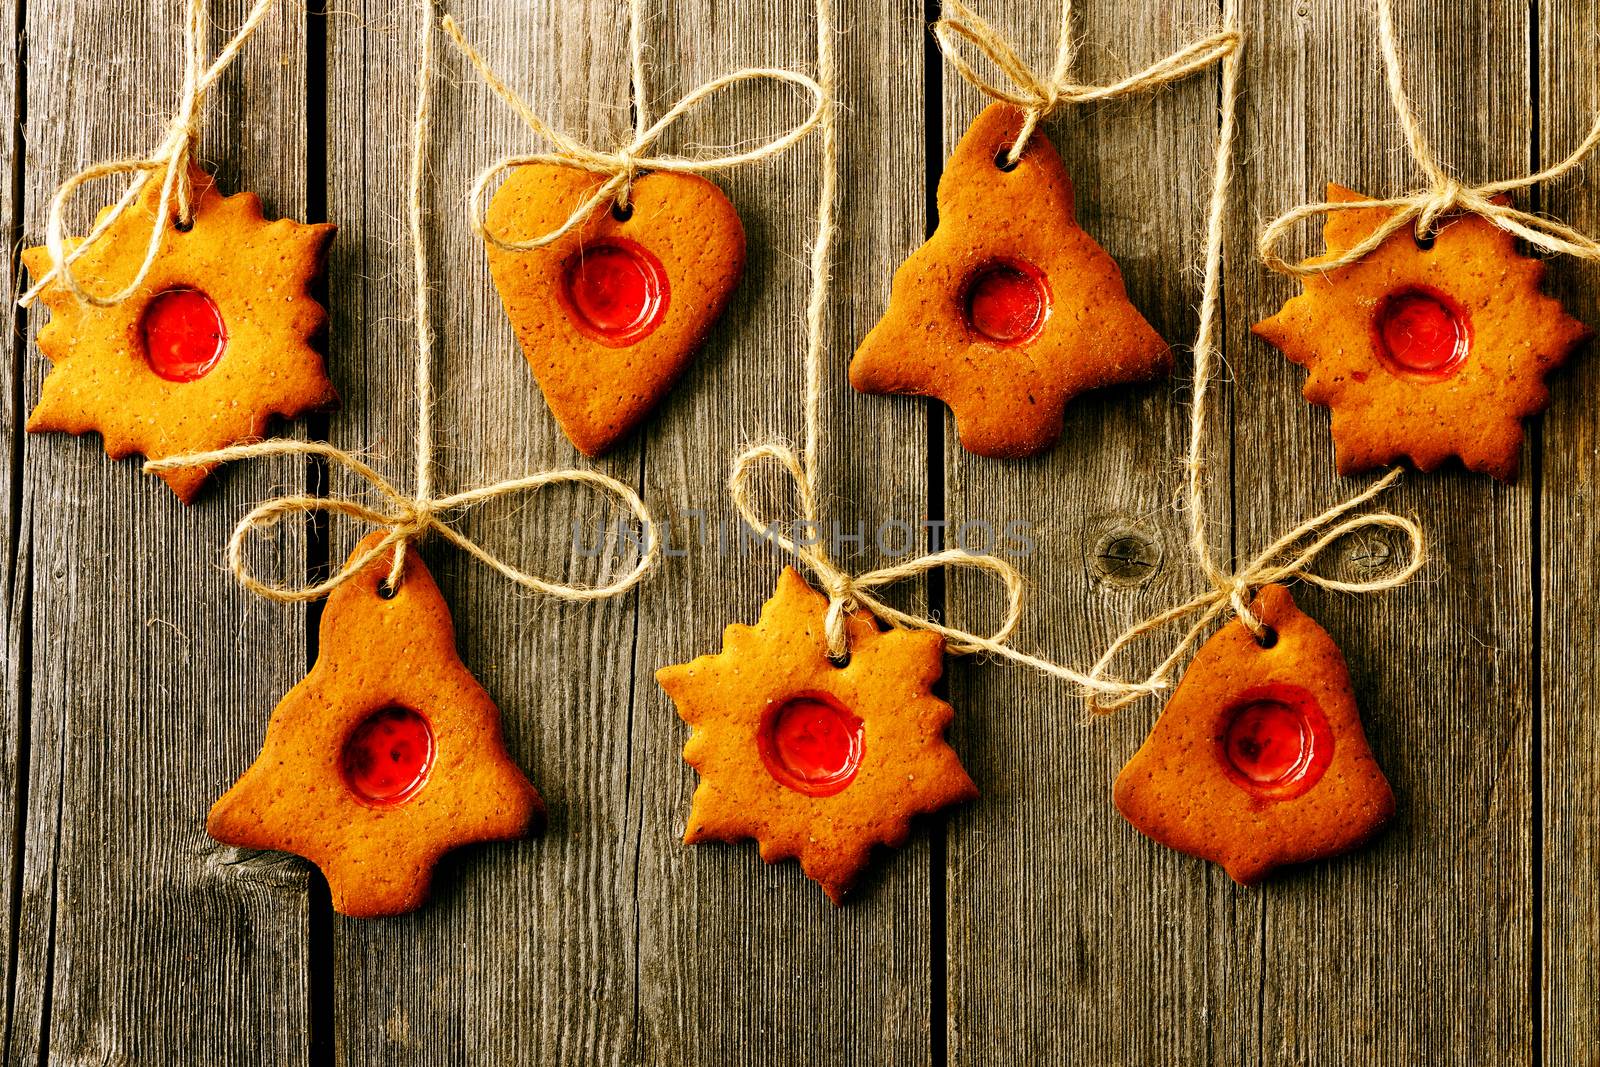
x: 610, y: 314
x: 1425, y: 353
x: 1259, y: 759
x: 217, y: 340
x: 386, y: 756
x: 1010, y: 309
x: 814, y: 760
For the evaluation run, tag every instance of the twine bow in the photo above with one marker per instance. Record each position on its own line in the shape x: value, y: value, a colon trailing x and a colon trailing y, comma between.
x: 171, y: 159
x: 1444, y: 195
x: 623, y: 165
x: 1038, y: 95
x: 1289, y: 557
x: 407, y: 517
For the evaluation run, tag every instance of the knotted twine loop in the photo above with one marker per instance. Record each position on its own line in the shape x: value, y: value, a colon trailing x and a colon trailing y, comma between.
x: 1040, y: 96
x: 624, y: 165
x: 410, y: 517
x: 171, y: 159
x: 1444, y: 195
x: 1289, y: 557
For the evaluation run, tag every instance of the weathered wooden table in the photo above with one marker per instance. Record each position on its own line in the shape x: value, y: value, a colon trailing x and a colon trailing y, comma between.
x: 1031, y: 927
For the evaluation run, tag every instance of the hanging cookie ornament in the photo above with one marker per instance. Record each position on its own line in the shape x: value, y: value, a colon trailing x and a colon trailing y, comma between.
x: 1422, y: 326
x: 1259, y: 759
x: 386, y: 756
x: 1010, y: 310
x: 389, y: 752
x: 212, y: 333
x: 613, y: 266
x: 815, y: 760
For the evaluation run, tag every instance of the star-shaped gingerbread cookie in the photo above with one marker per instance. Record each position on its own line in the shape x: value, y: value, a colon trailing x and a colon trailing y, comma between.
x: 386, y: 756
x: 1010, y: 309
x: 1259, y: 759
x: 814, y: 760
x: 216, y: 341
x: 1425, y: 353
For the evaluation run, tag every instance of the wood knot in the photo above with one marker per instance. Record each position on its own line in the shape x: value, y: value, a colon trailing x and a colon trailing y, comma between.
x: 1124, y: 557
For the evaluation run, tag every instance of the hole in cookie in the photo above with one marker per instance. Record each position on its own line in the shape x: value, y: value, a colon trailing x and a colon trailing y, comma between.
x: 1267, y: 637
x: 387, y: 591
x: 183, y: 334
x: 811, y: 744
x: 615, y: 293
x: 387, y: 757
x: 1006, y: 301
x: 620, y: 211
x: 1002, y: 162
x: 1274, y: 742
x: 1422, y: 334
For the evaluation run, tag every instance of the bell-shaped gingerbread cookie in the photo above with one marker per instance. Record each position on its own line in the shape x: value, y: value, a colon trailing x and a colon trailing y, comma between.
x: 812, y: 759
x: 218, y: 339
x: 610, y: 314
x: 386, y: 756
x: 1425, y: 353
x: 1259, y: 759
x: 1010, y: 309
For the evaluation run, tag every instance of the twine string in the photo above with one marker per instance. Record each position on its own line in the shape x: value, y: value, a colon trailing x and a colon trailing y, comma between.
x: 171, y: 159
x: 1291, y: 556
x: 407, y: 517
x: 622, y: 166
x: 1039, y: 96
x: 1423, y: 209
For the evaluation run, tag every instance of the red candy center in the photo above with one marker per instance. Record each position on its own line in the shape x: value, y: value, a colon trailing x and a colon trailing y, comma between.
x: 812, y: 745
x: 616, y: 293
x: 1422, y: 334
x: 1275, y: 742
x: 1007, y: 302
x: 387, y: 758
x: 183, y: 334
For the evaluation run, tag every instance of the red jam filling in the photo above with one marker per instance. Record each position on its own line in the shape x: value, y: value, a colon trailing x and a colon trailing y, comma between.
x: 388, y: 756
x: 616, y: 293
x: 812, y: 745
x: 1007, y: 302
x: 1422, y: 334
x: 183, y: 334
x: 1274, y: 742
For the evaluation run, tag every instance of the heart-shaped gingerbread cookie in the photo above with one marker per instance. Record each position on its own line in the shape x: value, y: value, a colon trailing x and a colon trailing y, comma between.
x: 610, y: 314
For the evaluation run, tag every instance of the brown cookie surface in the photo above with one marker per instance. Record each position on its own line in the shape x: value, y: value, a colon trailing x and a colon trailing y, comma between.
x: 216, y: 342
x: 610, y: 314
x: 1423, y: 354
x: 1010, y: 309
x: 1259, y: 759
x: 813, y: 760
x: 386, y: 756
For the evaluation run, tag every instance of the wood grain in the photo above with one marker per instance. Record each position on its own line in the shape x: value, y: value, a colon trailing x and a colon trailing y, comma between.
x: 15, y: 633
x: 151, y: 673
x: 1567, y: 892
x: 1376, y: 957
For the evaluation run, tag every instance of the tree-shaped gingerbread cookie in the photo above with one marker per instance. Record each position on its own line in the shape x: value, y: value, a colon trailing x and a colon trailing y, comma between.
x: 1010, y: 309
x: 386, y: 756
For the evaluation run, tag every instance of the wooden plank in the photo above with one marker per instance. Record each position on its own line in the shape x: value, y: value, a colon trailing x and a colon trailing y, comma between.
x: 741, y: 963
x: 1417, y: 948
x: 14, y: 618
x: 1071, y: 938
x: 151, y: 672
x: 1569, y: 1004
x: 525, y: 954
